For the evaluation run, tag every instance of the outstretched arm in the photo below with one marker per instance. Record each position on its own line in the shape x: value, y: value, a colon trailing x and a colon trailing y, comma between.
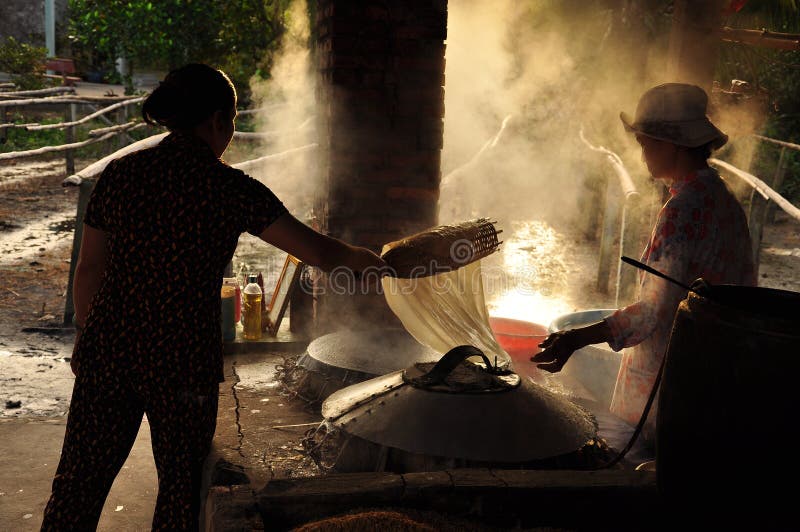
x: 559, y: 346
x: 316, y: 249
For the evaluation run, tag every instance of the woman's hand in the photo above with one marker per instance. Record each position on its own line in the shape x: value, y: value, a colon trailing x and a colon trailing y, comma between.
x: 556, y: 350
x: 364, y: 261
x: 559, y: 346
x: 367, y: 267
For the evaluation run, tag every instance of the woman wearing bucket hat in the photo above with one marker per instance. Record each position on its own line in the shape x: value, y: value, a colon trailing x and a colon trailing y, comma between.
x: 700, y: 232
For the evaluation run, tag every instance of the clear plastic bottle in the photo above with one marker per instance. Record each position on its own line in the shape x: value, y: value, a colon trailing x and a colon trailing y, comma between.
x: 251, y: 311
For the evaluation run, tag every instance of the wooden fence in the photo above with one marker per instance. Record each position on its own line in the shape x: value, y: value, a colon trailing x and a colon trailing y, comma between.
x: 100, y: 107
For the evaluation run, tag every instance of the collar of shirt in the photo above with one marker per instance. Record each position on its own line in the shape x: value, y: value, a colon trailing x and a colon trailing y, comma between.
x: 678, y: 184
x: 190, y: 142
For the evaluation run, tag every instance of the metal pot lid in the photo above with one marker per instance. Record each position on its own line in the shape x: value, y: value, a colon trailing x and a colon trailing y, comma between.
x: 521, y: 424
x: 373, y: 351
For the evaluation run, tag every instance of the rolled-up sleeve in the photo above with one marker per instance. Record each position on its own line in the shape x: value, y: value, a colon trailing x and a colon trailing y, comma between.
x: 257, y: 206
x: 670, y: 251
x: 98, y: 211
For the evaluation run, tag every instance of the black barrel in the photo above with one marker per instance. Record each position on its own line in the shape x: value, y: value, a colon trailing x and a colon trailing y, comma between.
x: 729, y: 408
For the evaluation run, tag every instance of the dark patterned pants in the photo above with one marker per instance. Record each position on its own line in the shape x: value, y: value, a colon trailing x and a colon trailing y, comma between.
x: 101, y: 428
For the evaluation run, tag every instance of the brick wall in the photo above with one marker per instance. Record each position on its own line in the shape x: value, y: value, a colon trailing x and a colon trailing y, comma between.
x: 381, y: 99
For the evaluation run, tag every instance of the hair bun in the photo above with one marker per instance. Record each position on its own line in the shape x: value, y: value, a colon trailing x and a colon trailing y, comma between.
x: 188, y: 96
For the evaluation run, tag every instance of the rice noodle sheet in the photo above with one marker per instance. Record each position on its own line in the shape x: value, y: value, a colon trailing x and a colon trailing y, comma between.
x: 445, y: 310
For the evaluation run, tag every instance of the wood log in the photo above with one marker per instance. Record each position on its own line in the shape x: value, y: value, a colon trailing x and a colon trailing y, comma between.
x: 37, y: 92
x: 763, y: 38
x: 761, y: 187
x: 86, y: 118
x: 97, y: 167
x: 779, y: 142
x: 247, y: 166
x: 51, y: 149
x: 50, y: 100
x: 128, y: 126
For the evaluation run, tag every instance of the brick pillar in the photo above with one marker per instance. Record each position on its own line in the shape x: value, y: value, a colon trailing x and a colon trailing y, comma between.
x: 381, y: 109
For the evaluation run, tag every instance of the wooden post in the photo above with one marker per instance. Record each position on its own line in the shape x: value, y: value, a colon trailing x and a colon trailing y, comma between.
x: 71, y: 114
x: 122, y: 119
x: 780, y: 174
x: 629, y: 245
x: 609, y: 234
x: 4, y: 131
x: 759, y: 209
x: 694, y: 42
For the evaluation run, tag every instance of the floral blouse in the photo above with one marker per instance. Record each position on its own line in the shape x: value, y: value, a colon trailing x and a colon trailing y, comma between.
x: 172, y: 215
x: 701, y: 232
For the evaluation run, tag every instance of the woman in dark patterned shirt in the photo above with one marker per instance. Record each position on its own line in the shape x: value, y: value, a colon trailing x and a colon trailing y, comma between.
x: 160, y: 228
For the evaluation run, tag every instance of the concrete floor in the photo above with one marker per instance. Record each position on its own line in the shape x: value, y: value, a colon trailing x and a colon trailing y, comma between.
x: 29, y: 454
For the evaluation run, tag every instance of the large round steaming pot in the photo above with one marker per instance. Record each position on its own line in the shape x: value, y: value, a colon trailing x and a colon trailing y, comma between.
x: 471, y: 415
x: 339, y: 359
x: 727, y: 412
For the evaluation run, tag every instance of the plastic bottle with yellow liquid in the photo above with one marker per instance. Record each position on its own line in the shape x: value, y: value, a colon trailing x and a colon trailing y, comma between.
x: 251, y: 309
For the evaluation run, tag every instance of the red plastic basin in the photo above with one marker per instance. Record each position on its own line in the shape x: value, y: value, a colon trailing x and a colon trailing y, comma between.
x: 520, y: 339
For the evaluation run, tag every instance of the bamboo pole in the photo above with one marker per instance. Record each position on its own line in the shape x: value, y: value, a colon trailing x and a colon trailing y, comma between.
x: 50, y: 149
x: 37, y: 92
x: 128, y: 126
x: 489, y: 144
x: 97, y: 167
x: 50, y: 100
x: 275, y: 157
x: 761, y: 187
x: 70, y: 138
x: 104, y: 110
x: 9, y: 125
x: 779, y: 142
x: 764, y: 38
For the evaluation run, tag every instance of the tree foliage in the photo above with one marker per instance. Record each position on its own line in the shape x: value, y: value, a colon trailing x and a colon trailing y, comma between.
x: 24, y: 62
x: 238, y: 36
x: 774, y: 73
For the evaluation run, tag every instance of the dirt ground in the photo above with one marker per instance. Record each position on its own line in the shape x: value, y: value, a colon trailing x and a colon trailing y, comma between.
x: 541, y: 273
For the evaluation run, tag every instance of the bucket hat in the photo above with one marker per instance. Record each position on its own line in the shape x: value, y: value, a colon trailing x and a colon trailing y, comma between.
x: 676, y: 113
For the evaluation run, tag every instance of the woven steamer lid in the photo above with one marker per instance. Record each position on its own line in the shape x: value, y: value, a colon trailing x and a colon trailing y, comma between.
x: 441, y: 249
x: 510, y: 424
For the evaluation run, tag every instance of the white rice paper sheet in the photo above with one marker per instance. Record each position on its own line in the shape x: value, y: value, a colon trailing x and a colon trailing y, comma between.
x: 446, y: 310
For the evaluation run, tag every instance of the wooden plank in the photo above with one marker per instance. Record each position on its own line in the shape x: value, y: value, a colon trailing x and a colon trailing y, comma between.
x: 560, y: 498
x: 574, y: 480
x: 231, y: 508
x: 474, y: 479
x: 370, y: 488
x: 427, y: 484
